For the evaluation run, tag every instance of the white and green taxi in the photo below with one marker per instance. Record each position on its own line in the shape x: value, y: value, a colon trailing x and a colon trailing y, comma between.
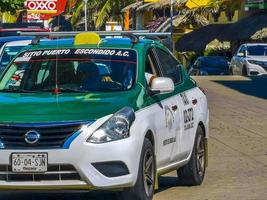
x: 112, y: 113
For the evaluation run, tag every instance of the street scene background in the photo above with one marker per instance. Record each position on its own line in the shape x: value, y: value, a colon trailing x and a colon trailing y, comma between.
x: 203, y: 31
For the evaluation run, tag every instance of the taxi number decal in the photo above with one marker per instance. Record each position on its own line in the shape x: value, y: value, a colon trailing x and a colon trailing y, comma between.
x: 184, y: 98
x: 188, y: 118
x: 169, y: 141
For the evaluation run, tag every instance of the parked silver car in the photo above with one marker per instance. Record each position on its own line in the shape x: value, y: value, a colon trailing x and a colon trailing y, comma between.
x: 250, y: 60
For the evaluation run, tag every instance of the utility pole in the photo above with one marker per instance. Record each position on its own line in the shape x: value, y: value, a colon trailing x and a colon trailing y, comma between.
x: 171, y: 29
x: 85, y: 15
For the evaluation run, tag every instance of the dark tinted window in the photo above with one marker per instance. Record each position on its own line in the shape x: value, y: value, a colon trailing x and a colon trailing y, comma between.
x: 258, y: 50
x: 170, y: 66
x: 218, y: 62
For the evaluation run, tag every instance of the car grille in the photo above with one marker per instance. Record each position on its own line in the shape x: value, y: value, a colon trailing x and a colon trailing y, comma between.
x: 54, y: 173
x: 12, y: 136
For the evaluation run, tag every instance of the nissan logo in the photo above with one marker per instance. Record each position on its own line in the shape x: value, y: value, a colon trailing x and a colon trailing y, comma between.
x: 32, y: 137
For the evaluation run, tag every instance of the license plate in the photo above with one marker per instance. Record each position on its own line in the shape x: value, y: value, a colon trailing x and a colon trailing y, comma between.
x: 29, y: 162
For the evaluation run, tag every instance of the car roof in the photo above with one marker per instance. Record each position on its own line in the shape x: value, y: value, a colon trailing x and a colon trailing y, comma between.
x: 212, y: 57
x: 256, y: 44
x: 66, y: 41
x: 105, y: 42
x: 15, y: 38
x: 18, y: 43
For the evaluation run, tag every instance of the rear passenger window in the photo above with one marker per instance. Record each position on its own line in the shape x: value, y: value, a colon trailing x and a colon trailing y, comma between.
x: 170, y: 66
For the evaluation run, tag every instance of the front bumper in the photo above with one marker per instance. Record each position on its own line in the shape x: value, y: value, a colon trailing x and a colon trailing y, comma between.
x: 256, y: 70
x: 83, y: 157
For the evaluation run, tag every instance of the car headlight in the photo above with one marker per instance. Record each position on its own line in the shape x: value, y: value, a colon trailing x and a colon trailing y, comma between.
x: 2, y: 146
x: 115, y: 128
x: 255, y: 62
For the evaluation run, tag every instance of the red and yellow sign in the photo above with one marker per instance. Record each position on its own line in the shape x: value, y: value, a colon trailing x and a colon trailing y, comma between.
x: 46, y: 8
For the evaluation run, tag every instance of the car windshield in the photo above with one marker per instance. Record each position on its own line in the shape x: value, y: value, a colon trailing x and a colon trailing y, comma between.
x: 71, y: 70
x: 8, y: 54
x: 257, y: 50
x: 218, y: 62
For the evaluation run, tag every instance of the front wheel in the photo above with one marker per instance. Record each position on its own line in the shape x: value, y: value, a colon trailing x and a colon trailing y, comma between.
x: 193, y: 172
x: 145, y: 184
x: 244, y: 71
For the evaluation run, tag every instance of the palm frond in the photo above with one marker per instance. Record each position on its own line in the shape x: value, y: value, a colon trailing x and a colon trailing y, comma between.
x: 103, y: 13
x: 76, y: 14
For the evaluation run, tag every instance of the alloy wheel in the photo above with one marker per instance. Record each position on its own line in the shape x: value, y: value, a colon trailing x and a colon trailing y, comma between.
x: 149, y: 172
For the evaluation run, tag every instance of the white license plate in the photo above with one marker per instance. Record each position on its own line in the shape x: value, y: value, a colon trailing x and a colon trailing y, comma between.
x: 29, y: 162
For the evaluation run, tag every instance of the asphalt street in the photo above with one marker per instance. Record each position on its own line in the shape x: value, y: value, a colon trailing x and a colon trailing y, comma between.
x: 237, y: 149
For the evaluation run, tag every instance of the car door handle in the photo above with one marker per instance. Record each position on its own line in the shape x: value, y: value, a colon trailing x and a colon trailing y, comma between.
x: 174, y: 108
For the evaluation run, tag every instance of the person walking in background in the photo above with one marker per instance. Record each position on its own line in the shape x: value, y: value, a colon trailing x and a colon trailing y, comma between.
x: 60, y: 23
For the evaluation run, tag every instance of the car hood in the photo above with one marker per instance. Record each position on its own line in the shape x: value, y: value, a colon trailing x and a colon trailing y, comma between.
x: 45, y: 107
x: 257, y: 58
x: 215, y: 69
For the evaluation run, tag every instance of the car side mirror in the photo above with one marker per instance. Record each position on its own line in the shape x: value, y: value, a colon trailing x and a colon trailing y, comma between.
x: 241, y: 54
x: 162, y: 85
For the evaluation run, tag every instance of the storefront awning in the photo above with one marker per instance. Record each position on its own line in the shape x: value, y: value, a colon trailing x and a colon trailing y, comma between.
x: 198, y: 39
x: 239, y: 31
x: 245, y: 28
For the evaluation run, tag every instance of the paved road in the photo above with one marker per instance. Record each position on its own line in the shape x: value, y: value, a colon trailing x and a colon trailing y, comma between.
x: 237, y: 149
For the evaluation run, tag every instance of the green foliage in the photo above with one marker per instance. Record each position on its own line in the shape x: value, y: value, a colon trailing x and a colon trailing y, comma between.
x: 11, y: 5
x: 99, y: 11
x: 104, y: 12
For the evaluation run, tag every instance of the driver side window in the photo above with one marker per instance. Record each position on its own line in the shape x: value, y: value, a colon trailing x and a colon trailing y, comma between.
x: 242, y: 50
x: 169, y: 65
x: 151, y: 71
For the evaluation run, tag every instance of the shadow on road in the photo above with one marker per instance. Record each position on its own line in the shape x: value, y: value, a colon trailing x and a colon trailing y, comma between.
x: 57, y: 195
x: 164, y: 182
x: 257, y: 86
x: 167, y: 182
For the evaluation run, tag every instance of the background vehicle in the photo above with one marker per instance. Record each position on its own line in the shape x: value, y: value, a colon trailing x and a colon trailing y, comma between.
x: 4, y: 40
x: 11, y: 29
x: 87, y: 113
x: 250, y: 60
x: 210, y: 65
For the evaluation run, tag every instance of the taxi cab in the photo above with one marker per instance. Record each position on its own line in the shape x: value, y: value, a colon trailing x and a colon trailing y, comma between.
x: 101, y: 113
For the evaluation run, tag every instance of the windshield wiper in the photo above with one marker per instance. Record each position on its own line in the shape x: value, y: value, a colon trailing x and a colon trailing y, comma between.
x: 71, y: 90
x: 62, y: 90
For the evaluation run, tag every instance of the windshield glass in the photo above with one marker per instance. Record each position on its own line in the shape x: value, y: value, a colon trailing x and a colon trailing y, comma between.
x: 259, y: 50
x: 71, y: 70
x: 218, y: 62
x: 8, y: 54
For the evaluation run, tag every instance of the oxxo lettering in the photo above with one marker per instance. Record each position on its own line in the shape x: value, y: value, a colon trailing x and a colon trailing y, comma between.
x: 42, y: 5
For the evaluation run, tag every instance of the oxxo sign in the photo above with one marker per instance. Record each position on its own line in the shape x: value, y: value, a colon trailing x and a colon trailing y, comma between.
x: 45, y: 6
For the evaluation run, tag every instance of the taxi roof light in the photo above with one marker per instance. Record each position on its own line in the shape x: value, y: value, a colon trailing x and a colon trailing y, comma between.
x: 87, y: 38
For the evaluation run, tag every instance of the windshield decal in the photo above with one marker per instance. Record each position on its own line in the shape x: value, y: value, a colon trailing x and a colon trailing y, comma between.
x: 80, y: 51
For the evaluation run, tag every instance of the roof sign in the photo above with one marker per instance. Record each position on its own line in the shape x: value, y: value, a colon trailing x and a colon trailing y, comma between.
x: 87, y: 38
x: 48, y: 8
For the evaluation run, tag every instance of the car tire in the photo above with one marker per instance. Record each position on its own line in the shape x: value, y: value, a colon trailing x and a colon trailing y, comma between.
x: 231, y: 71
x: 145, y: 184
x: 193, y: 173
x: 244, y: 71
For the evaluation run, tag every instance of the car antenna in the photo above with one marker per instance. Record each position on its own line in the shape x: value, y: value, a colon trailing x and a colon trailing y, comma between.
x: 56, y: 90
x: 36, y: 40
x: 133, y: 38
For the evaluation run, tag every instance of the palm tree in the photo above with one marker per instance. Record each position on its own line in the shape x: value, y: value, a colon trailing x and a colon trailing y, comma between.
x: 99, y: 11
